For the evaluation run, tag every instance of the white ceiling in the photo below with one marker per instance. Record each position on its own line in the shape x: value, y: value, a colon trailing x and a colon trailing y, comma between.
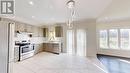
x: 55, y: 11
x: 117, y: 10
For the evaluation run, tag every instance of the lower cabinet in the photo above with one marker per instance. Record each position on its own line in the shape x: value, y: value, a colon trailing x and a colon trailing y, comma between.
x: 16, y: 53
x: 38, y: 48
x: 52, y: 47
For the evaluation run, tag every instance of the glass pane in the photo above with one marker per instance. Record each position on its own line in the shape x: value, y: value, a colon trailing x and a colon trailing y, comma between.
x: 81, y: 42
x: 103, y: 39
x: 125, y: 39
x: 113, y: 39
x: 70, y: 41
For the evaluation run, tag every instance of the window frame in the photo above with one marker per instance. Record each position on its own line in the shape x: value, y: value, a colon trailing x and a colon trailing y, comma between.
x: 120, y: 40
x: 108, y: 39
x: 117, y: 38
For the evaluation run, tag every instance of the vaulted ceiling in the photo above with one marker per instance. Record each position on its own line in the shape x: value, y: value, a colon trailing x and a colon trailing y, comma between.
x: 117, y: 10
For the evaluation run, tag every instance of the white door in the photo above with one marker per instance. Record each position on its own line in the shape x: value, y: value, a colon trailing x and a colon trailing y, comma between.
x: 70, y: 42
x: 81, y: 42
x: 76, y: 42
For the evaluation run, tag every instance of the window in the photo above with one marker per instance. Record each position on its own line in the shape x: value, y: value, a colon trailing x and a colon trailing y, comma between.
x: 103, y: 39
x: 125, y: 39
x: 118, y: 39
x: 113, y: 38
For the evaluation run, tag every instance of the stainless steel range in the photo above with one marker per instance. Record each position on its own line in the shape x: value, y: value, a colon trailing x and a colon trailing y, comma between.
x: 26, y: 50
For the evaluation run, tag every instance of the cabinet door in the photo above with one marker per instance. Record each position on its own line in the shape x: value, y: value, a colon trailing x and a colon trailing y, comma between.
x: 41, y: 47
x: 35, y: 31
x: 58, y: 31
x: 16, y: 27
x: 21, y: 27
x: 40, y: 32
x: 38, y: 48
x: 45, y: 32
x: 29, y: 28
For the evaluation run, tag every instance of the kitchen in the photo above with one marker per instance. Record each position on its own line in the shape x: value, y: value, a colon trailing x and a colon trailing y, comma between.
x: 30, y: 40
x: 64, y: 36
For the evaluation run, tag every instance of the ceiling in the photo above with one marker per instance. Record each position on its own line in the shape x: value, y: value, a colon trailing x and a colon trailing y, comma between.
x: 117, y: 10
x: 40, y: 12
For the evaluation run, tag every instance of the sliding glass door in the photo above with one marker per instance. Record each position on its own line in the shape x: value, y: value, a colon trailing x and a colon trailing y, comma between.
x: 81, y: 42
x: 70, y: 41
x: 76, y: 42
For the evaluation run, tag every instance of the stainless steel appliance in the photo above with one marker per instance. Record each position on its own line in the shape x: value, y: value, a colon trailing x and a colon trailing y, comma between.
x: 26, y: 50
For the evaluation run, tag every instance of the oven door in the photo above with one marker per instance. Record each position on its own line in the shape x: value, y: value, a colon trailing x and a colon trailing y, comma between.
x: 26, y: 49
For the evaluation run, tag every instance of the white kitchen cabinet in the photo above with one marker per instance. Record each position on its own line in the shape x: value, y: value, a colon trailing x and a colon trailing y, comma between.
x: 35, y: 31
x: 20, y: 27
x: 16, y: 53
x: 29, y: 28
x: 40, y: 32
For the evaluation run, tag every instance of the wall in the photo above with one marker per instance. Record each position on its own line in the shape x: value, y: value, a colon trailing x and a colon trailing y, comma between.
x: 4, y: 46
x: 90, y: 26
x: 111, y: 25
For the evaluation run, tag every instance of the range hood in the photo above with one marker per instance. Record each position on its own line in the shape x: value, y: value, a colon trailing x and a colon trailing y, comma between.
x: 21, y: 32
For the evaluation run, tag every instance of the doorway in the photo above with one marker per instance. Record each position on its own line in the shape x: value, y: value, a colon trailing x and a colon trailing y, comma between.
x: 77, y: 42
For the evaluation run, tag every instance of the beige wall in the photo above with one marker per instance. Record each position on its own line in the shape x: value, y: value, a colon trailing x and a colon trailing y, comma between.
x: 90, y: 26
x: 112, y: 25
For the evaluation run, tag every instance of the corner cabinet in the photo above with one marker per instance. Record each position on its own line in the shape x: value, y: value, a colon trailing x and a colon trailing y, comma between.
x: 58, y: 31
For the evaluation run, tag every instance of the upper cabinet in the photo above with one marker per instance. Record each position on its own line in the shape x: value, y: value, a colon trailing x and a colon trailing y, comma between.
x: 23, y: 27
x: 28, y: 28
x: 58, y: 31
x: 45, y: 32
x: 20, y: 27
x: 40, y: 32
x: 35, y: 31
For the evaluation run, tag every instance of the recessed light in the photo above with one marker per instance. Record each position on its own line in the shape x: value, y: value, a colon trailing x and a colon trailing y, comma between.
x: 33, y: 16
x: 31, y: 2
x: 51, y: 7
x: 52, y: 19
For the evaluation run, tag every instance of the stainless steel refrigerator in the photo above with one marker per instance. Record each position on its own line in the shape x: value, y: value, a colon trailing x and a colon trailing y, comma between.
x: 6, y: 46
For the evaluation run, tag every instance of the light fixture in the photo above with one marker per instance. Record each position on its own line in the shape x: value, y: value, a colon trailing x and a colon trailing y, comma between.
x: 33, y: 16
x: 31, y: 2
x: 71, y: 6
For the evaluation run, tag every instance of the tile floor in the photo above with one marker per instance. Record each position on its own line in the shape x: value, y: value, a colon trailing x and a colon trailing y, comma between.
x: 51, y: 63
